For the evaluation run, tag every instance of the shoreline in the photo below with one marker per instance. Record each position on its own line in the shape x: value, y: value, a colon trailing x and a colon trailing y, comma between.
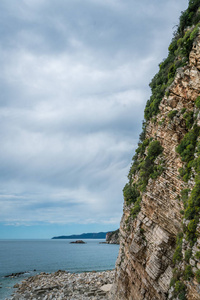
x: 64, y: 285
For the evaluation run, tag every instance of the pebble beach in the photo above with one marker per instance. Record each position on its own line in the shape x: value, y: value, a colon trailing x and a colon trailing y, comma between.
x: 65, y: 285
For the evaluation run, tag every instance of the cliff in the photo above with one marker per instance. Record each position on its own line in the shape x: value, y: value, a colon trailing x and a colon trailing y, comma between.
x: 112, y: 237
x: 159, y: 256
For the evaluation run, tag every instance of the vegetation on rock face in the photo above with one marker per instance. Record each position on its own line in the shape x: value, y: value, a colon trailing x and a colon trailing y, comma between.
x: 197, y: 102
x: 148, y: 162
x: 180, y: 290
x: 178, y: 252
x: 136, y: 209
x: 147, y: 168
x: 197, y: 255
x: 189, y: 119
x: 188, y: 272
x: 190, y: 16
x: 178, y: 55
x: 172, y: 114
x: 189, y: 150
x: 188, y: 255
x: 143, y: 160
x: 184, y: 197
x: 186, y: 149
x: 131, y: 193
x: 143, y: 165
x: 197, y: 275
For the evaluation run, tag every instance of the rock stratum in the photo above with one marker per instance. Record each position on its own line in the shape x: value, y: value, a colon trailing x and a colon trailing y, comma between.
x: 159, y: 256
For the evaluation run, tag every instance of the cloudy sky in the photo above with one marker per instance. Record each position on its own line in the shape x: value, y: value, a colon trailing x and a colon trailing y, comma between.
x: 74, y: 82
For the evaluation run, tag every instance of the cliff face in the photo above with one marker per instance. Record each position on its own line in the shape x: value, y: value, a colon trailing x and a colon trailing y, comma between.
x: 112, y: 237
x: 145, y: 264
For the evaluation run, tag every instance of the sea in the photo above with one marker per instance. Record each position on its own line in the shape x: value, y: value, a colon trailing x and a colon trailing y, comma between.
x: 35, y: 256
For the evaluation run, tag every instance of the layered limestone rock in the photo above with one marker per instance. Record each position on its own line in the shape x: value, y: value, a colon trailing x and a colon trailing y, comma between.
x: 113, y: 237
x: 144, y: 265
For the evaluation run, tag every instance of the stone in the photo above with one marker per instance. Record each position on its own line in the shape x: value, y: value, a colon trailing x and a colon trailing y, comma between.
x: 78, y: 242
x: 192, y: 262
x: 91, y: 294
x: 106, y: 287
x: 63, y: 285
x: 101, y: 293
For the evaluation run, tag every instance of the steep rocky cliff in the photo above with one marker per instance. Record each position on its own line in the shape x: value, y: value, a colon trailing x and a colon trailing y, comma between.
x: 159, y: 255
x: 112, y: 237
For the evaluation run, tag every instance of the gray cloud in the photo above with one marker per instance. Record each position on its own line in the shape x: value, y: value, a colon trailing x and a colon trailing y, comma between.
x: 74, y: 81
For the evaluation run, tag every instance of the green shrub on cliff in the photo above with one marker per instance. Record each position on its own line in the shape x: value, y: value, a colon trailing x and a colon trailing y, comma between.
x: 144, y: 166
x: 139, y: 153
x: 178, y: 252
x: 185, y: 42
x: 158, y: 86
x: 136, y: 209
x: 197, y: 102
x: 188, y: 272
x: 186, y: 150
x: 157, y: 171
x: 188, y: 255
x: 142, y: 147
x: 197, y: 275
x: 197, y: 255
x: 192, y: 212
x: 178, y: 55
x: 147, y: 167
x: 189, y: 118
x: 172, y: 114
x: 184, y: 197
x: 180, y: 290
x: 183, y: 110
x: 190, y: 16
x: 193, y: 202
x: 130, y: 193
x: 191, y: 234
x: 154, y: 150
x: 172, y: 71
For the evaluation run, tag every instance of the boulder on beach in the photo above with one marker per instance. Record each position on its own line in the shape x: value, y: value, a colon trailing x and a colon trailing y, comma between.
x: 64, y: 285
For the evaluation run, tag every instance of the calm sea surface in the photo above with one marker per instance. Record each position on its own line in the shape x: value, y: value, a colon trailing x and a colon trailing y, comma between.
x: 50, y: 256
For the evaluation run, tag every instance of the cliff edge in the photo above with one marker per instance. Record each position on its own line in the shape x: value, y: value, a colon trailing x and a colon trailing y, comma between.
x: 113, y: 237
x: 159, y: 256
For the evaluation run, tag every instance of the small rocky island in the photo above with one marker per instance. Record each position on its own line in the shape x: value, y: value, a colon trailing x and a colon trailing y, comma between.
x: 78, y: 242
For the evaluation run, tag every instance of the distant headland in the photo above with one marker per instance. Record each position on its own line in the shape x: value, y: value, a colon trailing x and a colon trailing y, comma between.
x: 99, y: 235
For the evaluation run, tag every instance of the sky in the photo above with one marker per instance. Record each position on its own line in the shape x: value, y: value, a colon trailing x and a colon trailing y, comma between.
x: 74, y: 81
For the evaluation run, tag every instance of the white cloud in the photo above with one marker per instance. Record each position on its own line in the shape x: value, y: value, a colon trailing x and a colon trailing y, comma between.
x: 74, y: 79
